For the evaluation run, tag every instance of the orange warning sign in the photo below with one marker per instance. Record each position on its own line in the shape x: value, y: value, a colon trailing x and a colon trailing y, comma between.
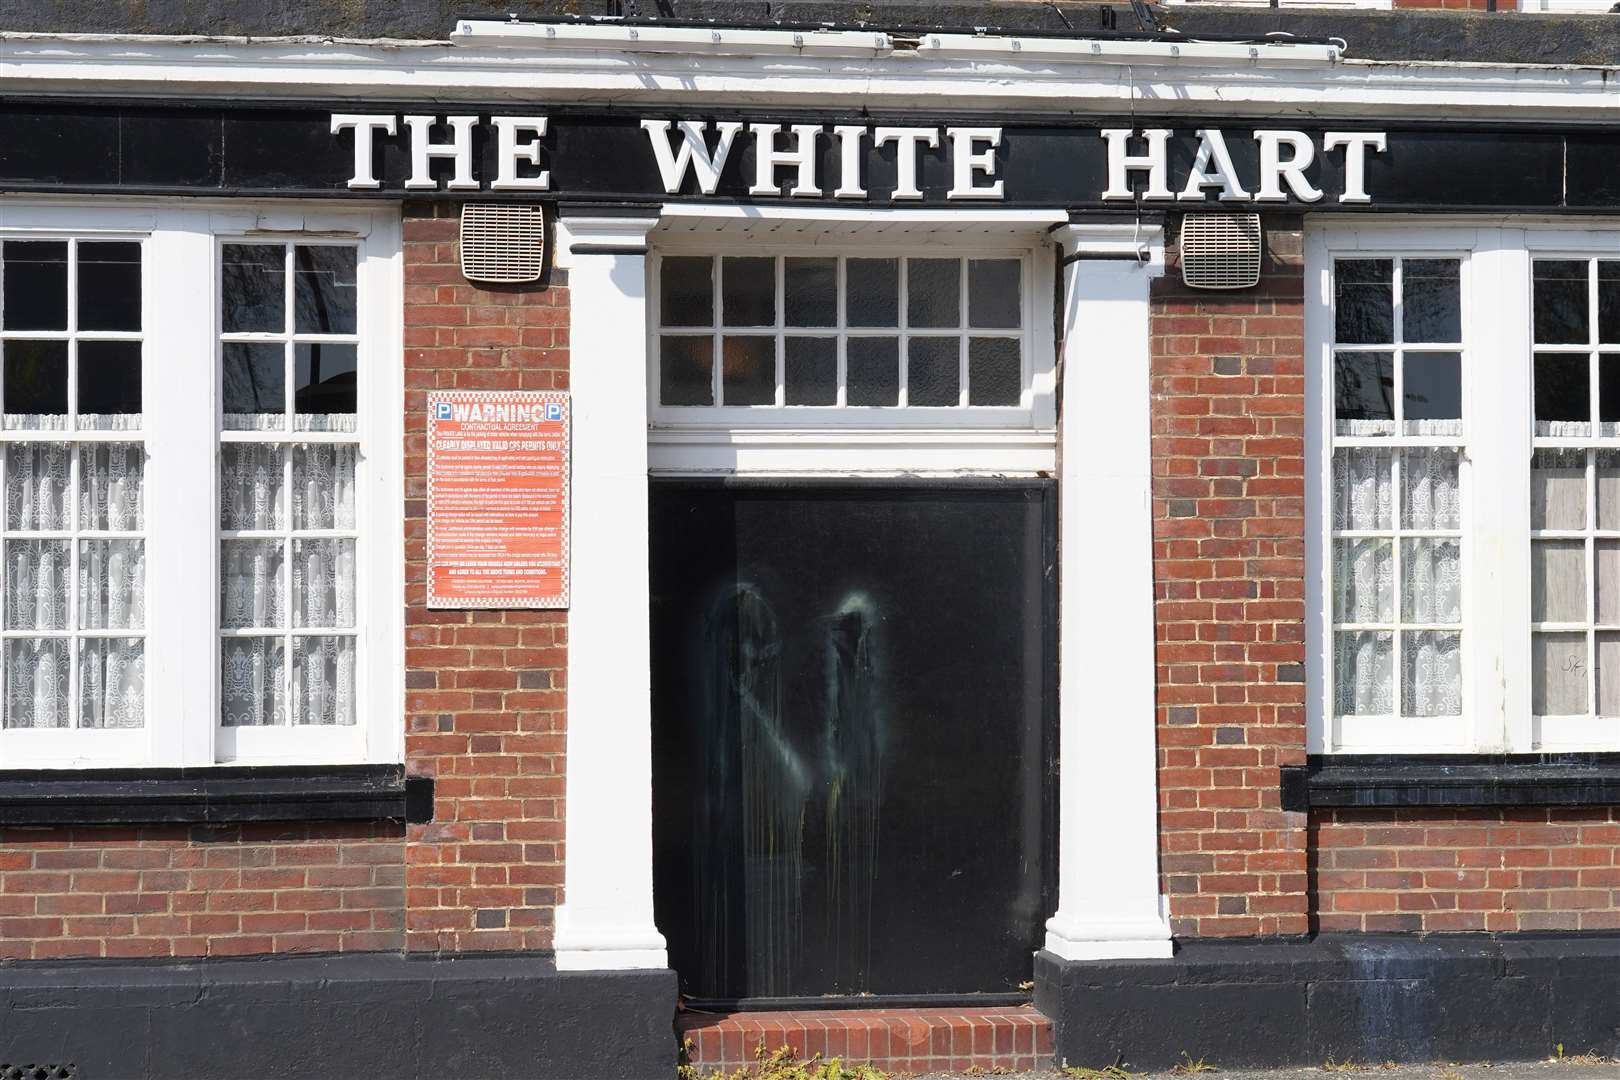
x: 497, y: 499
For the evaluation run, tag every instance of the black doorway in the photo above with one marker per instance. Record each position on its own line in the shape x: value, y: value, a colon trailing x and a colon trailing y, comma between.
x: 854, y: 751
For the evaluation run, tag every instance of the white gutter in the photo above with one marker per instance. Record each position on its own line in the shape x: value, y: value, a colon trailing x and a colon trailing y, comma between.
x: 1226, y: 54
x: 718, y: 41
x: 374, y: 72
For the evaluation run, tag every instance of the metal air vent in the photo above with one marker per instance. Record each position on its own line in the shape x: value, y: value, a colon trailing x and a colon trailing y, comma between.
x: 1220, y: 251
x: 502, y: 244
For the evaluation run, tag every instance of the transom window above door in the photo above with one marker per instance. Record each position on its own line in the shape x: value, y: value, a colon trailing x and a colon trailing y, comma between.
x: 820, y: 339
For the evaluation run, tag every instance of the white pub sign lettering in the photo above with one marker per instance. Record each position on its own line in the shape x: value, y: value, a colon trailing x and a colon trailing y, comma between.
x: 788, y: 154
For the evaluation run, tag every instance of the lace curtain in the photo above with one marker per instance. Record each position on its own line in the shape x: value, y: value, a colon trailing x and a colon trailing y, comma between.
x: 1429, y: 592
x: 111, y: 586
x: 1562, y: 661
x: 261, y: 577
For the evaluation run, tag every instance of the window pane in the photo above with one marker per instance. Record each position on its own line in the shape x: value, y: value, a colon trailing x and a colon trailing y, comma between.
x: 1363, y: 581
x: 686, y: 291
x: 252, y: 589
x: 254, y: 386
x: 36, y: 384
x: 933, y: 371
x: 1364, y: 386
x: 1364, y: 673
x: 933, y: 292
x: 36, y: 673
x: 34, y: 277
x: 253, y: 287
x: 811, y: 292
x: 252, y: 677
x: 324, y: 387
x: 1558, y: 581
x: 111, y: 486
x: 1558, y: 489
x: 1607, y: 557
x: 1431, y: 300
x: 1431, y: 673
x: 685, y: 370
x: 1363, y: 301
x: 1608, y: 674
x: 748, y: 370
x: 324, y: 289
x: 1431, y: 491
x: 1609, y: 391
x: 323, y: 486
x: 37, y: 576
x: 323, y: 581
x: 109, y: 287
x: 323, y: 680
x: 112, y: 682
x: 1431, y: 581
x: 1608, y: 301
x: 112, y: 584
x: 1558, y: 674
x: 250, y: 486
x: 1561, y: 302
x: 1362, y: 491
x: 995, y: 293
x: 1431, y: 387
x: 872, y: 292
x: 1608, y: 490
x: 994, y: 373
x: 749, y: 293
x: 37, y: 478
x: 1563, y: 392
x: 109, y: 385
x: 811, y: 371
x: 872, y: 371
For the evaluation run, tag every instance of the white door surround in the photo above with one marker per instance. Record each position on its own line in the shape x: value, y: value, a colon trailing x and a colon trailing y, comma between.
x: 1109, y: 900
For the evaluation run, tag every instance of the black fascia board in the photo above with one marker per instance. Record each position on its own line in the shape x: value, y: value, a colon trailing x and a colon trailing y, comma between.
x: 1393, y: 781
x: 214, y: 795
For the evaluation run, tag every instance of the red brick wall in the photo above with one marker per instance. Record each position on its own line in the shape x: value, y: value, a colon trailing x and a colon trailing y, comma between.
x: 1439, y: 870
x: 203, y: 891
x: 1228, y: 547
x: 484, y: 690
x: 484, y: 716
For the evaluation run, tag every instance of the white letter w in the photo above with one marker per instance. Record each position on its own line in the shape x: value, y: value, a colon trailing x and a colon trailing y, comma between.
x: 672, y: 165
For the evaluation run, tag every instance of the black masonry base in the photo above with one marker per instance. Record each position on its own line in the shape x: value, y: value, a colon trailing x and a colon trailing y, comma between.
x: 1364, y: 998
x: 358, y: 1015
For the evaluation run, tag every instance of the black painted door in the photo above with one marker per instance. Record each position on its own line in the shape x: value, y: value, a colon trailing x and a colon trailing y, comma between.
x: 853, y: 731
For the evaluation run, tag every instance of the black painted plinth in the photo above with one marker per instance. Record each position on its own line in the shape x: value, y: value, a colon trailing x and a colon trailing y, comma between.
x: 1364, y: 998
x: 356, y: 1016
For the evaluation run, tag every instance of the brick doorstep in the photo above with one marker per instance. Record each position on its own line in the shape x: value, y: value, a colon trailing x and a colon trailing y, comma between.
x: 909, y: 1041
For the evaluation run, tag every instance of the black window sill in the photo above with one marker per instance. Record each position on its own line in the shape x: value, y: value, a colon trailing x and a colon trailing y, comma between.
x: 1385, y: 781
x: 214, y: 796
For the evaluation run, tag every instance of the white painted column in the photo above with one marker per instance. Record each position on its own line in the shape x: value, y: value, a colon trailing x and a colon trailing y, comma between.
x: 606, y: 918
x: 1109, y: 904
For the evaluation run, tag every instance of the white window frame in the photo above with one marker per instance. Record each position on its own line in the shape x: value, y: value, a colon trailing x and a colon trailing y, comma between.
x: 1498, y: 346
x: 1567, y: 7
x: 181, y: 368
x: 868, y: 440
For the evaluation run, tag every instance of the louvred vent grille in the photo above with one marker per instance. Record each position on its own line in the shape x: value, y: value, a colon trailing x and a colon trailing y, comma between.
x: 52, y: 1071
x: 1220, y: 251
x: 502, y: 245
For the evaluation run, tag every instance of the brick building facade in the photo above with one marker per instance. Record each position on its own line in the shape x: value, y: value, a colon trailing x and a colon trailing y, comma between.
x: 1299, y: 694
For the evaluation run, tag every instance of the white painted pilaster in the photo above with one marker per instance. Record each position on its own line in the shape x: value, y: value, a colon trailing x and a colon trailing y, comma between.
x: 606, y: 918
x: 1109, y: 905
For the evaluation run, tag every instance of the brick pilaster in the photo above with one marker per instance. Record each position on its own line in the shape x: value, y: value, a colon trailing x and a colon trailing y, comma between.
x: 485, y: 690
